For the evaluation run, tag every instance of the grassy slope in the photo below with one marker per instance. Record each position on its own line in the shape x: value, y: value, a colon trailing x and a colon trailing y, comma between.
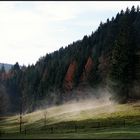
x: 105, y: 121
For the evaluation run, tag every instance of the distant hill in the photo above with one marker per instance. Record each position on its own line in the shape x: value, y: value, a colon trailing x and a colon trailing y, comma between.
x: 7, y: 66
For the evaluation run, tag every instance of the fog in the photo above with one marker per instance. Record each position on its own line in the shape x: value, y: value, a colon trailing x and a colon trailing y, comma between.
x: 83, y: 108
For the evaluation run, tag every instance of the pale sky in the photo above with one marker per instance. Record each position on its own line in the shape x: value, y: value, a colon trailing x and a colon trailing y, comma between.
x: 30, y: 29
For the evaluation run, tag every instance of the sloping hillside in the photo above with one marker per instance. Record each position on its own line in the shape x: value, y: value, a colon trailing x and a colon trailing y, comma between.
x: 104, y: 58
x: 77, y: 118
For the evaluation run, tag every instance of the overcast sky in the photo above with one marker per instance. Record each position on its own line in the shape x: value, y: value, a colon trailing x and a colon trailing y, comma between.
x: 30, y: 29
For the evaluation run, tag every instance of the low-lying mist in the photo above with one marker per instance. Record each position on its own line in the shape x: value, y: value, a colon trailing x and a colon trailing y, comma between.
x: 91, y: 100
x: 83, y: 108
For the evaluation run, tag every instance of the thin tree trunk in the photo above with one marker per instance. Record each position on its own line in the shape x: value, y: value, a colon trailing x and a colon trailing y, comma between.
x: 20, y: 122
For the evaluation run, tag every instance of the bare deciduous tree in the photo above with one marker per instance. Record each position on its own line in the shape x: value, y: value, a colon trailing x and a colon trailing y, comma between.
x: 45, y: 118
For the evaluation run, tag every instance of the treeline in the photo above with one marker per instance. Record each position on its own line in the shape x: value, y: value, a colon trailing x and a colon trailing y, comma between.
x: 112, y: 49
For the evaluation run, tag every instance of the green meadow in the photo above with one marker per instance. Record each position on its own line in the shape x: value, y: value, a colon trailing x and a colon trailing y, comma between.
x: 111, y: 121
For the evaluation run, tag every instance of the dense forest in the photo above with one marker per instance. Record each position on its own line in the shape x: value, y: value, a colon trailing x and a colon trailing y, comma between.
x: 109, y: 57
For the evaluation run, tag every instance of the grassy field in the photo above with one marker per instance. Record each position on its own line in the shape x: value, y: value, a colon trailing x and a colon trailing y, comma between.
x: 77, y: 120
